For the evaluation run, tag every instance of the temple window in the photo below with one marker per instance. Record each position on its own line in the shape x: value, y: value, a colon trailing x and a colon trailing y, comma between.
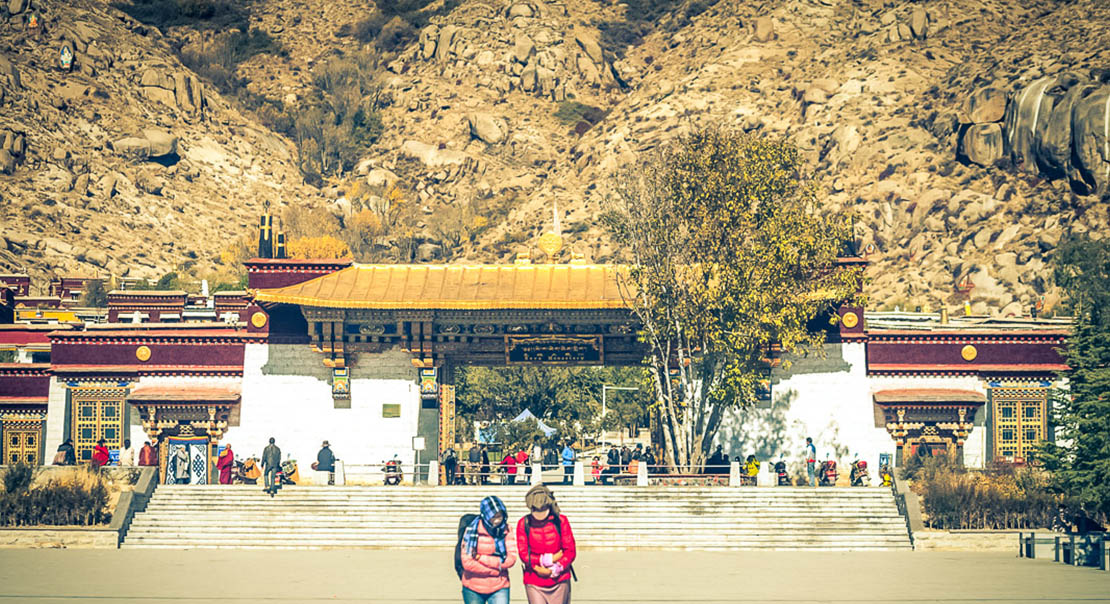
x: 1019, y: 420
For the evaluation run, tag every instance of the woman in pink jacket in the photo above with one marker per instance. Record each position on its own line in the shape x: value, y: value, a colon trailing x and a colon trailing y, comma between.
x: 488, y: 551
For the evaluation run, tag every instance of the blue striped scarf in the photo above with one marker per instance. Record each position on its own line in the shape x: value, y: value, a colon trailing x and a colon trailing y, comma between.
x: 491, y: 506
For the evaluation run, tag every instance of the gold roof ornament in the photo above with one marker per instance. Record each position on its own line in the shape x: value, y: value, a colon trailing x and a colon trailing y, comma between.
x: 550, y: 244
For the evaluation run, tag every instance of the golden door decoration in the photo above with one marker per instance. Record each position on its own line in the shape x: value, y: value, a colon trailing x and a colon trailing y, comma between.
x: 97, y: 414
x: 21, y: 444
x: 1019, y: 420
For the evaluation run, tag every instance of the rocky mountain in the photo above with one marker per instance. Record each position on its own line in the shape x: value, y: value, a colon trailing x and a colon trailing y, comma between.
x: 968, y: 136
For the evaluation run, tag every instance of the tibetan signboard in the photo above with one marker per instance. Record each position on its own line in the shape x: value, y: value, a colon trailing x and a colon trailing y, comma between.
x: 554, y: 350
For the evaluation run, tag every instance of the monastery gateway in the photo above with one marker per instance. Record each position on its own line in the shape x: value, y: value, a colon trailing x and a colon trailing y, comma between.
x: 364, y: 356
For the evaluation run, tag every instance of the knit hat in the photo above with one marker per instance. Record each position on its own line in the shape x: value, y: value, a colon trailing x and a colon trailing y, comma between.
x: 540, y: 497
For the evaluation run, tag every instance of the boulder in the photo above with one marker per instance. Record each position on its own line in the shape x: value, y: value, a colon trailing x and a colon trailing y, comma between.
x: 985, y: 105
x: 380, y: 177
x: 133, y: 147
x: 1090, y: 131
x: 522, y: 49
x: 764, y: 29
x: 815, y: 95
x: 1024, y: 115
x: 589, y: 45
x: 432, y: 157
x: 982, y: 144
x: 487, y: 128
x: 97, y: 257
x: 7, y: 162
x: 17, y: 6
x: 157, y: 77
x: 9, y: 73
x: 445, y: 42
x: 81, y: 184
x: 428, y: 252
x: 429, y: 37
x: 161, y: 142
x: 919, y: 21
x: 1052, y: 143
x: 521, y: 10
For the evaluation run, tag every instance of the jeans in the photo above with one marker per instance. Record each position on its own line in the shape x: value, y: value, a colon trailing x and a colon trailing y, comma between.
x: 500, y: 596
x: 268, y: 477
x: 810, y: 472
x: 568, y: 474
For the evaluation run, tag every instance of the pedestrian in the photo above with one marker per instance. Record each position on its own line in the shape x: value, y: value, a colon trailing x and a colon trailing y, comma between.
x: 147, y: 456
x: 487, y: 551
x: 547, y: 549
x: 613, y: 463
x: 649, y: 459
x: 508, y: 465
x: 126, y: 455
x: 325, y: 461
x: 522, y: 463
x: 810, y: 455
x: 626, y: 457
x: 271, y: 463
x: 595, y: 469
x: 638, y: 453
x: 484, y: 474
x: 474, y: 464
x: 450, y: 466
x: 181, y: 466
x: 100, y: 455
x: 568, y: 464
x: 225, y: 463
x: 66, y: 455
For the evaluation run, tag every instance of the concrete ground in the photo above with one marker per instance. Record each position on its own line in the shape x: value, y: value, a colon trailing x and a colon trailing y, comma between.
x: 404, y: 577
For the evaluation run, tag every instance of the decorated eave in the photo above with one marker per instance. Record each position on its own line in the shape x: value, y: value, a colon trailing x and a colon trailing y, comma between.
x: 180, y: 349
x: 169, y: 407
x: 24, y: 386
x: 917, y: 344
x: 929, y: 396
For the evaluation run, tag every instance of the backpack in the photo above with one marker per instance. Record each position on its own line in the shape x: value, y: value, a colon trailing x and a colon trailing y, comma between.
x: 528, y: 537
x: 464, y: 522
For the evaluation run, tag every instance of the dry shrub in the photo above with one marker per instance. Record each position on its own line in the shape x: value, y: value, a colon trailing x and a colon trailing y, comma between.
x: 77, y: 497
x: 1002, y: 497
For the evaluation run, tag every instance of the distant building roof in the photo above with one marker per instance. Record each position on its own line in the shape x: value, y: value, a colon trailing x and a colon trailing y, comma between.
x: 931, y: 322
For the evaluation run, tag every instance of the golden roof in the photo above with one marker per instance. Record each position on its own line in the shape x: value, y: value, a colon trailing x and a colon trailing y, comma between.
x: 458, y: 287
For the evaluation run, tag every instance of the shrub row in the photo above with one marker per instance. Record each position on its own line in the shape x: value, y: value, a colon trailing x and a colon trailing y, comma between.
x: 78, y: 498
x: 1002, y: 497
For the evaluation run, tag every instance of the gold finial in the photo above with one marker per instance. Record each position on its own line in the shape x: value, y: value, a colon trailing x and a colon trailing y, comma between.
x: 523, y: 258
x: 550, y: 244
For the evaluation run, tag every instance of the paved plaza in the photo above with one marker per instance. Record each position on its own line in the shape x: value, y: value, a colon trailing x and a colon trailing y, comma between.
x: 401, y: 577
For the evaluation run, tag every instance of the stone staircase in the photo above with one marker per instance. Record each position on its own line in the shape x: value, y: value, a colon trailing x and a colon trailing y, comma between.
x: 603, y: 517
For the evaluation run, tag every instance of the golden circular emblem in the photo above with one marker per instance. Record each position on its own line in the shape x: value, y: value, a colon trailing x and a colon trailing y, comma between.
x: 550, y: 244
x: 142, y: 353
x: 969, y: 353
x: 258, y: 319
x: 850, y: 319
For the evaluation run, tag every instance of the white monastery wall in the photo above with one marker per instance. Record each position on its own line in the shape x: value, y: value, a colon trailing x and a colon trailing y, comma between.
x: 287, y: 394
x: 827, y: 399
x: 55, y: 418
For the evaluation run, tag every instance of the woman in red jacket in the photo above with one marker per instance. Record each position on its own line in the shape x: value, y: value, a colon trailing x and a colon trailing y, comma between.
x: 546, y: 546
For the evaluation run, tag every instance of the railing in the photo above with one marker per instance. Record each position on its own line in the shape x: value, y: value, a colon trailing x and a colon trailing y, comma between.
x: 900, y: 490
x: 1075, y: 549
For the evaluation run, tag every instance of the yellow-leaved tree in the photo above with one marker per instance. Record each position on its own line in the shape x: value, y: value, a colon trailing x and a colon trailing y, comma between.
x: 324, y: 247
x: 731, y: 254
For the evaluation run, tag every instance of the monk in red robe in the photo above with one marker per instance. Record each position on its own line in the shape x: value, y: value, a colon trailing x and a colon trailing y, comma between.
x: 100, y: 455
x: 224, y: 465
x: 147, y: 455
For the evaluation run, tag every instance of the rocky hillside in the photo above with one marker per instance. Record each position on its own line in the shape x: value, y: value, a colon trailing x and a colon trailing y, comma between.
x: 966, y: 134
x: 126, y: 163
